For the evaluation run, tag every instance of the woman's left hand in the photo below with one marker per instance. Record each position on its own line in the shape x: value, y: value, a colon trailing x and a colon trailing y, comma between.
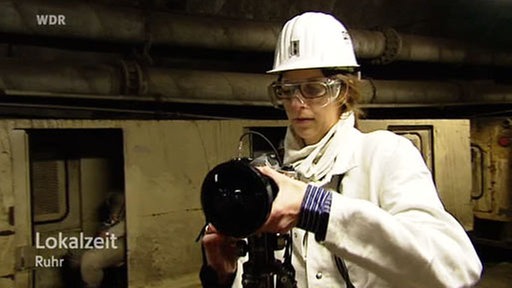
x: 287, y: 204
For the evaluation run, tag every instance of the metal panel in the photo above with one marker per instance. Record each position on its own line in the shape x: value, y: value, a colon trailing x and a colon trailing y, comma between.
x: 491, y: 139
x: 49, y: 195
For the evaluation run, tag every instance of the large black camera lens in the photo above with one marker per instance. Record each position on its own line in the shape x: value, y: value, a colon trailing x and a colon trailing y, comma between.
x: 237, y: 198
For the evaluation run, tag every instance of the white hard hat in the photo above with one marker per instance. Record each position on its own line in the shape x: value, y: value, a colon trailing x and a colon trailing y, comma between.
x: 313, y: 40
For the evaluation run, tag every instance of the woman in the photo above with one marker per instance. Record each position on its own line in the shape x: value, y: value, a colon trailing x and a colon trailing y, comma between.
x: 365, y: 211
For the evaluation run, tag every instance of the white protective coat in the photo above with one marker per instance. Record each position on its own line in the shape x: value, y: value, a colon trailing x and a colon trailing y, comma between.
x: 386, y: 221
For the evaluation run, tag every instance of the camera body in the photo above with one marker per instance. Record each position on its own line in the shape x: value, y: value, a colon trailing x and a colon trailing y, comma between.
x: 237, y: 198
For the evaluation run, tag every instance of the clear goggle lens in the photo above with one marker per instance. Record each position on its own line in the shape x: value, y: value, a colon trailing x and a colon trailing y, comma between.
x: 312, y: 92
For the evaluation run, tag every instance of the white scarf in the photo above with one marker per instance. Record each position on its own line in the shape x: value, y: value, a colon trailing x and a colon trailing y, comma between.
x: 316, y: 162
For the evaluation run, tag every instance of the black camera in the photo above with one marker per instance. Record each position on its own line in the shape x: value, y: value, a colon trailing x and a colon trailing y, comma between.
x: 237, y: 198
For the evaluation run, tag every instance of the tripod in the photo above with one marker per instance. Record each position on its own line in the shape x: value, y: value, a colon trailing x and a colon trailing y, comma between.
x: 262, y: 270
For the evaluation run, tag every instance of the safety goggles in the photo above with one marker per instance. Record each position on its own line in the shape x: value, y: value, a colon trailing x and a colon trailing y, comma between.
x: 318, y: 92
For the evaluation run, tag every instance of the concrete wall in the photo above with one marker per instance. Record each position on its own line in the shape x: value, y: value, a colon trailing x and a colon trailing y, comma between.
x: 7, y: 242
x: 165, y: 163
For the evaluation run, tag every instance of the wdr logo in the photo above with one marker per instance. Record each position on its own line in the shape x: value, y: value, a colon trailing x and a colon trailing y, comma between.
x: 50, y: 19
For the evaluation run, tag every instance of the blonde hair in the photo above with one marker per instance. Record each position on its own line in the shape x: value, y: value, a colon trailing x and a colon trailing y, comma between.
x: 350, y: 101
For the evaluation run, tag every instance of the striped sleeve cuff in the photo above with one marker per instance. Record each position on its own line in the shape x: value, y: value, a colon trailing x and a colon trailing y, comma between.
x: 315, y: 209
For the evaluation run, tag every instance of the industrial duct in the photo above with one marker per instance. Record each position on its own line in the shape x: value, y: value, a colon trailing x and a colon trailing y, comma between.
x: 84, y: 20
x: 108, y: 82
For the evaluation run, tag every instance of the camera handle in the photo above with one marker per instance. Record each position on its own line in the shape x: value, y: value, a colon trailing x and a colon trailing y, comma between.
x: 262, y: 270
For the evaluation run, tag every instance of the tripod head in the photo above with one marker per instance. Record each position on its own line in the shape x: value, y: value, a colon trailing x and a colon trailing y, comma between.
x: 263, y: 270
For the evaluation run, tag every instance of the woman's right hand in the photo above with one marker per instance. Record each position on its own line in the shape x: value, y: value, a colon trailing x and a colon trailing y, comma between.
x: 221, y: 253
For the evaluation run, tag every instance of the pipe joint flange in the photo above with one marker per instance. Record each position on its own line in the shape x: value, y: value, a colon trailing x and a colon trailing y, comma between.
x: 133, y: 78
x: 392, y: 48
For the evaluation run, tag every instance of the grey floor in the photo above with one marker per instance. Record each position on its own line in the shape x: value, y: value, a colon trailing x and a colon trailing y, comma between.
x: 497, y: 266
x: 496, y: 275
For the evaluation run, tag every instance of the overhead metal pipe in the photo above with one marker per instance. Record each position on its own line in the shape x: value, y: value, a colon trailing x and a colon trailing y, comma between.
x: 134, y: 83
x: 58, y: 77
x: 433, y: 93
x: 85, y: 20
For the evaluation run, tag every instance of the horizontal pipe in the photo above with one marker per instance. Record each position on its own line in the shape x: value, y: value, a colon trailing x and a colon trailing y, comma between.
x: 428, y: 49
x: 85, y: 20
x: 58, y: 77
x: 209, y: 87
x: 368, y: 44
x: 407, y: 92
x: 63, y: 111
x: 105, y: 82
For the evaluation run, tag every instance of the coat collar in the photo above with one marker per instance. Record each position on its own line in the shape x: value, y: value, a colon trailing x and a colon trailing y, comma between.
x: 346, y: 159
